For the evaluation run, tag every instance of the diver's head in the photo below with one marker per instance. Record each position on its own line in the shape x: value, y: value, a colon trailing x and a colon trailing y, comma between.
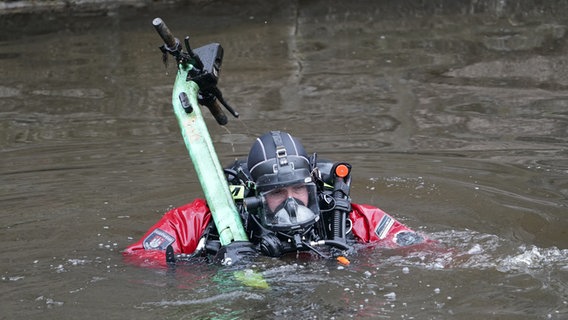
x: 280, y: 168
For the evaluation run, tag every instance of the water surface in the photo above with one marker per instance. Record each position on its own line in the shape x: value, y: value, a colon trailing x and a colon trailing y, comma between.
x: 454, y: 115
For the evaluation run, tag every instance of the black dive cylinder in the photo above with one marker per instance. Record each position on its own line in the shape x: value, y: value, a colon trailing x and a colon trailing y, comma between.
x: 338, y: 226
x: 341, y: 172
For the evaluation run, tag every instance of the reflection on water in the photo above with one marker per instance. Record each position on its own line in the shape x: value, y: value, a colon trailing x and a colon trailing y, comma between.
x: 453, y: 114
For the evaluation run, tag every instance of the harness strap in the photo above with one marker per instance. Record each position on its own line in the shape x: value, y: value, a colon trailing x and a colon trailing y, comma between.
x: 281, y: 153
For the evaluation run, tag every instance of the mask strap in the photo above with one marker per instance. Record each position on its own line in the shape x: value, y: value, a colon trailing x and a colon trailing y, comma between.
x: 281, y: 153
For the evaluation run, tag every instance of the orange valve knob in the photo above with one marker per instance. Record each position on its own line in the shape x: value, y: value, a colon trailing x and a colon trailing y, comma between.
x: 342, y: 171
x: 342, y: 260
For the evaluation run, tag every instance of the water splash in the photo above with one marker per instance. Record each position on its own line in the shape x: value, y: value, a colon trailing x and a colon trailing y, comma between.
x: 468, y: 249
x: 532, y: 258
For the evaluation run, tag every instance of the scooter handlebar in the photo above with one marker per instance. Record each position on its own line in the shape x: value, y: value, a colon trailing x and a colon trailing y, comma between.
x: 210, y: 95
x: 165, y: 33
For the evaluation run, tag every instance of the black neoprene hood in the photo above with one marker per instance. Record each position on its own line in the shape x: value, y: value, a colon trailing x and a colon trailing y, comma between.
x: 276, y: 160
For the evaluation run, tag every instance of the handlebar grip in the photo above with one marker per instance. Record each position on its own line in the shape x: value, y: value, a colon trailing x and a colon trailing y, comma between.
x: 217, y: 113
x: 164, y: 32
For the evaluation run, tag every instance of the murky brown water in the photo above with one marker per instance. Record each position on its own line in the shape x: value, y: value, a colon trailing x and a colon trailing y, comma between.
x: 454, y: 116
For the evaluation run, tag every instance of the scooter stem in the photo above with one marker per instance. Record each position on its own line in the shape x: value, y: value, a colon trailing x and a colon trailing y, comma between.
x: 205, y: 161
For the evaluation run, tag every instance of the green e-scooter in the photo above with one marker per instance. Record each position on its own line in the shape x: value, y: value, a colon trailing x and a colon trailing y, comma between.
x: 195, y: 85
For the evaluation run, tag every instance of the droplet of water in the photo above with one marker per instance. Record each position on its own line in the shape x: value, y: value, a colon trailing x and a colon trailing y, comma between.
x: 390, y: 296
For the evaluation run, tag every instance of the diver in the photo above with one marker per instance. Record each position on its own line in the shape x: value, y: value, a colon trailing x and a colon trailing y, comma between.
x: 289, y: 202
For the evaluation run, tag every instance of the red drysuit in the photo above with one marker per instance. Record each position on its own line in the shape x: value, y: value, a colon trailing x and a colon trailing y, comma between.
x: 182, y: 228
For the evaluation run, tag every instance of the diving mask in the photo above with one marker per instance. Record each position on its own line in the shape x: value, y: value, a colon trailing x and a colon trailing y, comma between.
x: 290, y: 208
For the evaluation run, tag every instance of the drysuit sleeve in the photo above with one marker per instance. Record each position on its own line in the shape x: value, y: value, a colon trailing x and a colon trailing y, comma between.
x: 373, y: 225
x: 181, y: 228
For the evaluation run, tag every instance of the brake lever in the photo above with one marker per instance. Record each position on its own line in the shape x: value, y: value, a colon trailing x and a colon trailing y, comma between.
x: 217, y: 93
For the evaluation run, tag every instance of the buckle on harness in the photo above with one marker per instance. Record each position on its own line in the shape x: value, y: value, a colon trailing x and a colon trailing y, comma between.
x: 281, y: 155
